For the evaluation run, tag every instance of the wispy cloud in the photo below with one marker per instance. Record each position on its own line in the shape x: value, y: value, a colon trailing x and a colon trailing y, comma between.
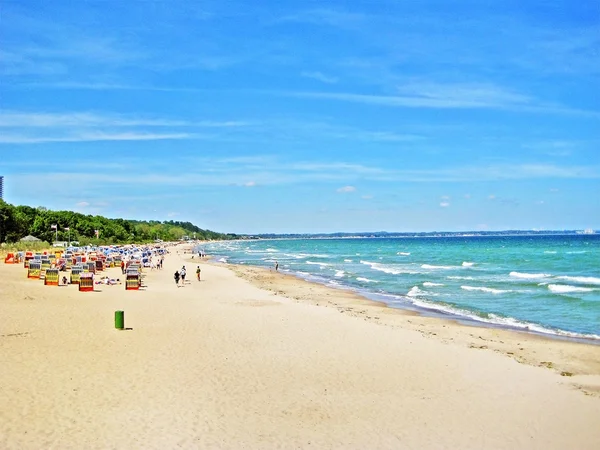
x: 93, y: 137
x: 475, y: 98
x: 319, y: 76
x: 87, y: 119
x: 346, y: 189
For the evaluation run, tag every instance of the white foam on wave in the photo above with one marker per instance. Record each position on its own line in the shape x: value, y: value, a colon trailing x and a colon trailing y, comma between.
x: 485, y: 289
x: 403, y: 253
x: 565, y: 288
x: 581, y: 280
x: 499, y: 320
x: 339, y: 274
x: 460, y: 278
x: 272, y: 250
x: 223, y: 260
x: 430, y: 266
x: 383, y: 268
x: 347, y: 260
x: 579, y: 252
x: 430, y: 284
x: 529, y: 275
x: 550, y: 252
x: 366, y: 280
x: 415, y: 292
x: 318, y: 264
x: 468, y: 264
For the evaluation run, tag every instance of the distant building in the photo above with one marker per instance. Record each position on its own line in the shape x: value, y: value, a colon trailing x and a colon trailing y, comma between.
x: 1, y: 187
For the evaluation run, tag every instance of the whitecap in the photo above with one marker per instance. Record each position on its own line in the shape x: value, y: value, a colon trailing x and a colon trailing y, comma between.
x: 366, y: 280
x: 485, y: 289
x: 468, y: 264
x: 430, y: 284
x: 581, y: 280
x: 529, y: 275
x: 339, y: 274
x: 415, y: 292
x: 429, y: 266
x: 318, y: 263
x: 347, y: 260
x: 550, y: 252
x: 460, y: 278
x: 565, y: 288
x: 403, y: 253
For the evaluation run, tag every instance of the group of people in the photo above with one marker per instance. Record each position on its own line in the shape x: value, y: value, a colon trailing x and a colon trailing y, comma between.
x: 180, y: 274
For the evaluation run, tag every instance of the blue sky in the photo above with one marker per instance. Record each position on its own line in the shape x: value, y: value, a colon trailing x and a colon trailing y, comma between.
x: 305, y: 116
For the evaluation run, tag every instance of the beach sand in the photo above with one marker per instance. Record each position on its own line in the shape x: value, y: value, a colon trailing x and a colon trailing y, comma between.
x: 250, y: 358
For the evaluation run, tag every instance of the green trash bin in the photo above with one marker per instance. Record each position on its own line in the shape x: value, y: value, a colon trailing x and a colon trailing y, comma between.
x: 119, y: 320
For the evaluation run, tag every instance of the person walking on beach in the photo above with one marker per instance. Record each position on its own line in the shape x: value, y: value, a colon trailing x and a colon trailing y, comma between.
x: 198, y: 273
x: 182, y: 275
x: 276, y: 266
x: 176, y: 277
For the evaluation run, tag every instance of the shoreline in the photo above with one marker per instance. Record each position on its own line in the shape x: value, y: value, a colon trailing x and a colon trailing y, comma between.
x: 441, y: 314
x: 562, y: 354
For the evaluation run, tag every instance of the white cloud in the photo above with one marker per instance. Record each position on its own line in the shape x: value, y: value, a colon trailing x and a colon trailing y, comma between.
x: 346, y: 189
x: 320, y: 77
x: 94, y: 137
x: 491, y: 197
x: 16, y: 119
x: 172, y: 214
x: 82, y: 204
x: 444, y: 204
x: 250, y: 184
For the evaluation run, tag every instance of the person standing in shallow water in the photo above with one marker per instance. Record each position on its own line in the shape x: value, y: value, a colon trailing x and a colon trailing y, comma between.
x: 276, y: 266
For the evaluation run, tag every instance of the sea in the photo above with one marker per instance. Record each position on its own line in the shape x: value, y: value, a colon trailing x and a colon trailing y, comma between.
x: 543, y: 284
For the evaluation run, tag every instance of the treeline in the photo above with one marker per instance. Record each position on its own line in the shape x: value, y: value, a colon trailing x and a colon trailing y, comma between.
x: 17, y: 222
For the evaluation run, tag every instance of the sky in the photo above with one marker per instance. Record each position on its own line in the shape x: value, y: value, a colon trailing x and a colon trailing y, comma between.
x: 306, y: 117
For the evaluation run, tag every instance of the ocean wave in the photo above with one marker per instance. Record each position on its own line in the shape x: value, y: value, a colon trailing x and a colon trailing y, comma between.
x: 580, y: 280
x: 550, y: 252
x: 415, y: 292
x: 485, y: 289
x: 529, y: 275
x: 318, y: 264
x: 460, y: 278
x: 347, y: 260
x: 403, y: 253
x: 578, y: 252
x: 223, y: 260
x: 468, y: 264
x: 366, y: 280
x: 565, y: 288
x: 430, y: 284
x: 339, y: 274
x: 382, y: 268
x: 494, y: 319
x: 430, y: 266
x: 272, y: 250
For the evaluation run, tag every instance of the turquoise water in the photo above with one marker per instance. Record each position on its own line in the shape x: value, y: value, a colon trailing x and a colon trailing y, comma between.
x: 545, y: 284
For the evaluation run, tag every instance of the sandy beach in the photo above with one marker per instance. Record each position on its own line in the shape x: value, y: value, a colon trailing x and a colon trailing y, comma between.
x: 251, y: 358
